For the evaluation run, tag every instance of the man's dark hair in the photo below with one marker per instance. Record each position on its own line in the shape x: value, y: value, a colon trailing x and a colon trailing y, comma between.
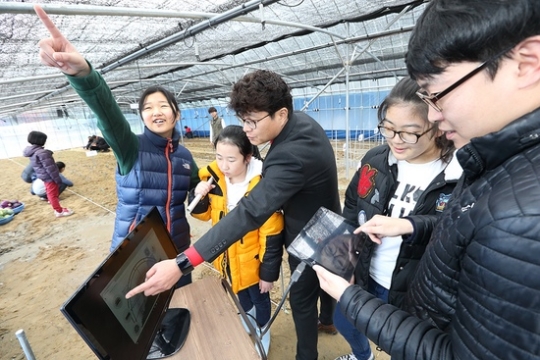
x: 60, y: 165
x: 168, y: 95
x: 212, y: 109
x: 261, y: 90
x: 454, y: 31
x: 37, y: 138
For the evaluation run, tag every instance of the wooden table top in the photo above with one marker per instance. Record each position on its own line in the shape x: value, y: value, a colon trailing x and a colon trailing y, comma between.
x: 216, y: 331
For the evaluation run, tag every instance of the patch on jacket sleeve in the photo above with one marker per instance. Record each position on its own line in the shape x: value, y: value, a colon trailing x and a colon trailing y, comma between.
x: 366, y: 180
x: 442, y: 201
x: 186, y: 166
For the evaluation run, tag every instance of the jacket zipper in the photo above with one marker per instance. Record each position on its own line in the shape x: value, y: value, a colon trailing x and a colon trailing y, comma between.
x: 168, y: 151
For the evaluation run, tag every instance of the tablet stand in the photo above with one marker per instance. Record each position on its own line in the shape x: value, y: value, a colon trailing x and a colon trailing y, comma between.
x: 172, y: 334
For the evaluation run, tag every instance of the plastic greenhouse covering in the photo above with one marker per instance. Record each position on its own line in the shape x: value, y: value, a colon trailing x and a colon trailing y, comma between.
x: 340, y: 57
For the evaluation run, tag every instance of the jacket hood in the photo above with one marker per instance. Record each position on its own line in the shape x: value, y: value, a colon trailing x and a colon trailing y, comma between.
x: 29, y: 151
x: 254, y: 168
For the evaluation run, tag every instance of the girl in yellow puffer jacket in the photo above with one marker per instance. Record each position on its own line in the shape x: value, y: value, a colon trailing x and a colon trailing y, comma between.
x: 252, y: 264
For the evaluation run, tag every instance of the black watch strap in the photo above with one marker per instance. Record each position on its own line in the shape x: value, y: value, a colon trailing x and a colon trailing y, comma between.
x: 184, y: 264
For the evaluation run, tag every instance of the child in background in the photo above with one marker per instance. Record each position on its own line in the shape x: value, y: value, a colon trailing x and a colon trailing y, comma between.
x: 401, y: 186
x: 46, y: 170
x: 252, y: 264
x: 38, y: 186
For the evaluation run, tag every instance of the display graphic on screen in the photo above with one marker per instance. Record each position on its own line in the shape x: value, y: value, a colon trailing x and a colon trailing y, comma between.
x: 133, y: 313
x: 329, y: 240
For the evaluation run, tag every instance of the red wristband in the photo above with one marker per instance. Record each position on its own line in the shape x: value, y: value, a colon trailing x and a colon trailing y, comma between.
x: 194, y: 257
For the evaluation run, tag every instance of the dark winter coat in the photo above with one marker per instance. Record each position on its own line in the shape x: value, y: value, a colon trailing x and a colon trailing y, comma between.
x: 371, y: 190
x: 43, y: 163
x: 29, y: 175
x: 160, y: 177
x: 151, y: 171
x: 477, y: 286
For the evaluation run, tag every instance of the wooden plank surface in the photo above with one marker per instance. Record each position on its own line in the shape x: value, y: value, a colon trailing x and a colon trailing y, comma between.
x: 216, y: 331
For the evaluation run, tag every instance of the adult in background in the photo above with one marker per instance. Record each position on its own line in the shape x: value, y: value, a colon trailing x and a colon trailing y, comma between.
x: 187, y: 132
x: 216, y: 124
x: 153, y: 168
x: 293, y: 179
x: 476, y: 292
x: 97, y: 143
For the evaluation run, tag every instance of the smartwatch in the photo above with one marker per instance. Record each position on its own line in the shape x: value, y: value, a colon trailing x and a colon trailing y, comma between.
x: 184, y: 264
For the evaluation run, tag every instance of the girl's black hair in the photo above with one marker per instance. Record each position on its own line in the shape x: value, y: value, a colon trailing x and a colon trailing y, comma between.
x: 404, y: 93
x: 60, y: 165
x: 235, y: 135
x: 37, y: 138
x: 168, y: 95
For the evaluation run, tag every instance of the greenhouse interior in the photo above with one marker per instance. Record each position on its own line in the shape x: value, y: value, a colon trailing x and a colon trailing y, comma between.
x: 339, y: 57
x: 279, y: 179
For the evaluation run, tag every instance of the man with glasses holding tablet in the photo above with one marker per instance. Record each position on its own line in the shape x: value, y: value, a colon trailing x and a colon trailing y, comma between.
x: 476, y: 294
x: 299, y: 176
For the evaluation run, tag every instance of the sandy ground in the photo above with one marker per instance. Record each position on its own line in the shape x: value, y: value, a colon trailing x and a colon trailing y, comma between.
x: 43, y: 260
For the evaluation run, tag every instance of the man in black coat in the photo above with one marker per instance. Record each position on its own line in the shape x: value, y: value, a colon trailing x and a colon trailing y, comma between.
x: 299, y: 176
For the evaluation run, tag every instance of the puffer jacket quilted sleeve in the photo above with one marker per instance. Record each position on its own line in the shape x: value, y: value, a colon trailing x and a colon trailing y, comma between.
x: 476, y: 294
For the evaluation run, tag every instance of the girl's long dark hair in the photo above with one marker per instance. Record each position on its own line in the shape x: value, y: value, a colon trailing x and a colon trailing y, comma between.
x: 235, y: 135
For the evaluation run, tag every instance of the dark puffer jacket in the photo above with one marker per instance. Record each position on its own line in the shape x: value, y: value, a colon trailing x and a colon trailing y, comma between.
x: 152, y: 170
x: 43, y: 163
x: 479, y: 278
x: 160, y: 177
x: 371, y: 190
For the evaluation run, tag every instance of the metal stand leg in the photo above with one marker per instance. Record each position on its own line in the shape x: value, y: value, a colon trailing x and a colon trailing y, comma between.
x: 252, y: 331
x: 25, y: 345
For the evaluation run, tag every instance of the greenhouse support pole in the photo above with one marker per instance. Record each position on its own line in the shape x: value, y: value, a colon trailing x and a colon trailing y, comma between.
x: 347, y: 109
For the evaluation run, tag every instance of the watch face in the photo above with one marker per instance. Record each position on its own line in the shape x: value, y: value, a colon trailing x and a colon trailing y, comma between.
x: 184, y: 264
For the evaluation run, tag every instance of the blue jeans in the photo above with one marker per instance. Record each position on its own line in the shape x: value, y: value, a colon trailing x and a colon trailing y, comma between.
x: 358, y: 341
x: 252, y: 297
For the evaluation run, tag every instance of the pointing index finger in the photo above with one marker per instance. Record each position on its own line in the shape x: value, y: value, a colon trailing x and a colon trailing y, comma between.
x: 137, y: 290
x: 53, y: 30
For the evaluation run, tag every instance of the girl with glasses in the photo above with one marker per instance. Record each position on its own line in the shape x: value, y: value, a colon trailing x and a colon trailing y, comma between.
x: 401, y: 187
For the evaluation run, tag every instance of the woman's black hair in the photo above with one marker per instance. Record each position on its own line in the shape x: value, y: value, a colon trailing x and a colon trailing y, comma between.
x: 168, y: 95
x: 404, y: 93
x: 235, y: 135
x: 37, y: 138
x: 60, y: 165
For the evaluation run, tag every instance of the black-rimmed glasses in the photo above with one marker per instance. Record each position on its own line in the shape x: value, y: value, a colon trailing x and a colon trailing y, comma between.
x: 405, y: 136
x: 432, y: 99
x: 252, y: 123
